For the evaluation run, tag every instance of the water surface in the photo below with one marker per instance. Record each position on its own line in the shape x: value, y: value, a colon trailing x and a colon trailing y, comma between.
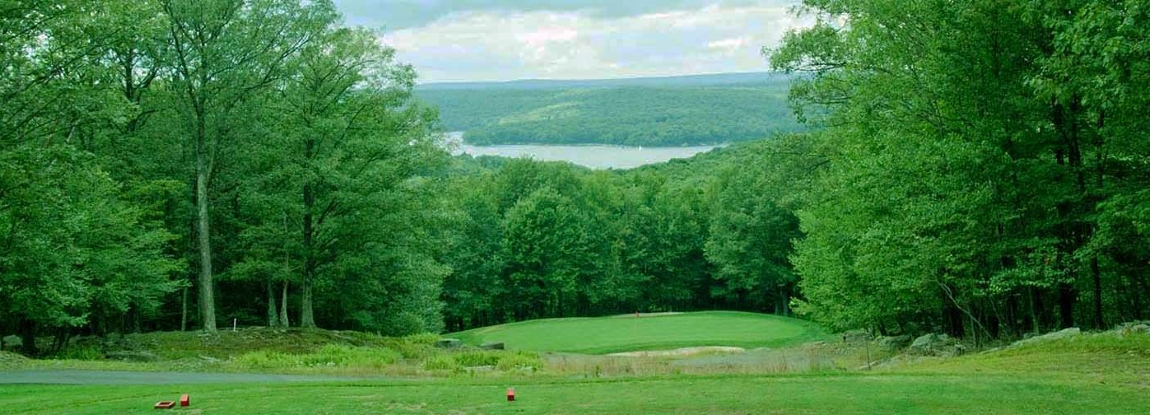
x: 595, y: 156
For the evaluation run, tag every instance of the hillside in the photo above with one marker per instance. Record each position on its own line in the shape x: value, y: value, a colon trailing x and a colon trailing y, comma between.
x: 643, y: 112
x: 723, y: 79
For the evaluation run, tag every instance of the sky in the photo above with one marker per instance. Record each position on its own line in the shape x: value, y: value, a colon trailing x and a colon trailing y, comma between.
x: 502, y: 40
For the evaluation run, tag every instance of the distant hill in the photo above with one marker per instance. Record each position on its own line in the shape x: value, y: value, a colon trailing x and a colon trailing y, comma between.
x: 725, y: 79
x: 673, y: 111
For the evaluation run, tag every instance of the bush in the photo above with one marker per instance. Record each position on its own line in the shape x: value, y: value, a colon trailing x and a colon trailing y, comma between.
x: 264, y: 359
x: 503, y: 361
x: 422, y: 338
x: 332, y: 355
x: 441, y: 362
x: 80, y: 353
x: 477, y: 358
x: 520, y: 360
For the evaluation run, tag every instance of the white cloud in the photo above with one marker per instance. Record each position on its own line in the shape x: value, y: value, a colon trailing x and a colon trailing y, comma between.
x: 580, y: 45
x: 731, y: 45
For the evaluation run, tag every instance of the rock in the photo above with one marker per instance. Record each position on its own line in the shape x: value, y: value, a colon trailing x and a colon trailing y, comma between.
x: 131, y: 356
x: 931, y: 345
x: 855, y: 336
x: 1135, y: 327
x: 11, y: 343
x: 895, y: 342
x: 1058, y: 335
x: 449, y: 343
x: 209, y: 359
x: 492, y: 346
x: 12, y: 358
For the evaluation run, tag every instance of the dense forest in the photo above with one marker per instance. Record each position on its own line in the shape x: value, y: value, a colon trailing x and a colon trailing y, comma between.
x: 555, y: 240
x: 633, y: 114
x: 976, y: 167
x: 986, y: 164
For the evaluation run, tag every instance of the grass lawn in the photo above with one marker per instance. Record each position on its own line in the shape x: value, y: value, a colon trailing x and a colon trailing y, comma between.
x: 807, y: 394
x: 1105, y: 373
x: 628, y: 333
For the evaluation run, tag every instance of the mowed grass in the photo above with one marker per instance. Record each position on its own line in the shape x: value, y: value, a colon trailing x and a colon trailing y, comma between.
x: 625, y: 333
x: 808, y: 394
x: 1094, y: 374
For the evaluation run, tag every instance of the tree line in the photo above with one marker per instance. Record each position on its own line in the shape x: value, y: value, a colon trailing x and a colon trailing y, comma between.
x: 985, y: 164
x: 174, y: 165
x: 155, y: 150
x: 541, y: 240
x: 976, y: 167
x: 632, y: 116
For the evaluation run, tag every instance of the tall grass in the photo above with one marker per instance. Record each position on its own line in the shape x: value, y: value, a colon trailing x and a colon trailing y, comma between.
x: 332, y: 355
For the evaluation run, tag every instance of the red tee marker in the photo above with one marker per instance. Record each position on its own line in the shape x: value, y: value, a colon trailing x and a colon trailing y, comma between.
x: 184, y: 400
x: 510, y: 394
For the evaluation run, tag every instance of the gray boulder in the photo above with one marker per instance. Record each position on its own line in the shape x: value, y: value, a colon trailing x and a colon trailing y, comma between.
x: 448, y: 343
x: 11, y: 343
x: 1135, y: 327
x: 130, y: 356
x: 855, y: 336
x: 932, y: 345
x: 1058, y: 335
x: 895, y: 342
x: 492, y: 346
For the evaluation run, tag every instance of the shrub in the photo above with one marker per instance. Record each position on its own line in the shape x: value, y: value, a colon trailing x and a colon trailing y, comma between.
x: 519, y: 360
x: 422, y: 338
x: 477, y: 358
x: 264, y: 359
x: 441, y: 362
x: 332, y: 355
x: 80, y: 353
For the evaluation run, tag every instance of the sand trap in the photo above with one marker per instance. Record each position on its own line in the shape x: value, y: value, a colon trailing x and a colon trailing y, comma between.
x: 665, y: 313
x: 686, y: 351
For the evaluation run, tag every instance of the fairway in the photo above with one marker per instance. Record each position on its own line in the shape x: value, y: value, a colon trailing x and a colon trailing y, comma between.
x: 649, y: 332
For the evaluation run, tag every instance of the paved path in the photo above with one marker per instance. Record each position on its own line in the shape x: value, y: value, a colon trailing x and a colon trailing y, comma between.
x: 100, y: 377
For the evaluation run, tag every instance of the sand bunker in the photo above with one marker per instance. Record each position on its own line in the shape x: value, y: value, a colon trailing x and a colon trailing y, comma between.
x: 686, y: 351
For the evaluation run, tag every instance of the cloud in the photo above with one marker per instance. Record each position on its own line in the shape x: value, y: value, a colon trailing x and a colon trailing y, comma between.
x: 583, y: 44
x: 731, y: 45
x: 402, y: 14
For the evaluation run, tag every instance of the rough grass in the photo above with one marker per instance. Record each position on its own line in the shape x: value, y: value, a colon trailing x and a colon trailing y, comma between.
x: 627, y: 333
x: 228, y: 344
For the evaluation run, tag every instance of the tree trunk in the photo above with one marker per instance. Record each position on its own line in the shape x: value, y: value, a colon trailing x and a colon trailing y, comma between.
x: 203, y: 221
x: 307, y: 318
x: 284, y: 307
x: 1035, y: 310
x: 28, y: 337
x: 1066, y: 305
x: 184, y: 310
x: 273, y: 318
x: 1099, y: 322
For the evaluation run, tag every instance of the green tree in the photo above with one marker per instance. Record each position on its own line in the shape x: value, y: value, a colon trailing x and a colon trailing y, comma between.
x: 225, y: 52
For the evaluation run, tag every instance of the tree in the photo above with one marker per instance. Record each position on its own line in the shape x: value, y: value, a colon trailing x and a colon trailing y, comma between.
x: 225, y: 53
x: 972, y: 151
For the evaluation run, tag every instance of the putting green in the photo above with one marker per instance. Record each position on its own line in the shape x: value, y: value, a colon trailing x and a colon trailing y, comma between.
x: 649, y: 332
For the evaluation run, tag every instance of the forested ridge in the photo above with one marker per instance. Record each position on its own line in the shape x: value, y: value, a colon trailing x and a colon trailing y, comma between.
x: 976, y: 167
x: 639, y: 114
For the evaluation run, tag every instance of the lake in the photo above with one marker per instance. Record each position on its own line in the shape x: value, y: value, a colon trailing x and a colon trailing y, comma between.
x: 593, y: 155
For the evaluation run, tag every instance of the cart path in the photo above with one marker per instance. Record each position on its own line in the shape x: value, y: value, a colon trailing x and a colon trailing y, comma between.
x: 102, y: 377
